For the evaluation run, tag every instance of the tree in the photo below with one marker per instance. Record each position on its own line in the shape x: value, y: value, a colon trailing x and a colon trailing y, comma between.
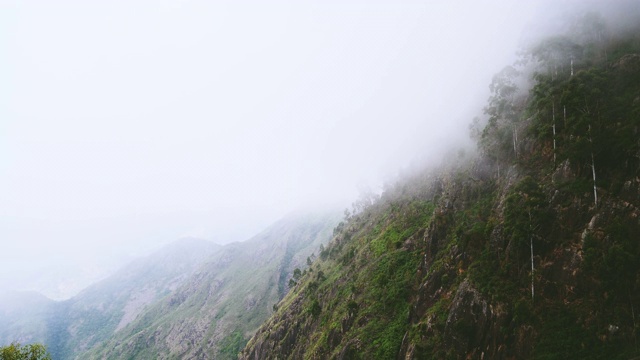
x: 525, y: 219
x: 323, y: 252
x: 297, y: 274
x: 366, y: 198
x: 15, y: 351
x: 556, y: 55
x: 543, y: 107
x: 501, y: 133
x: 586, y: 95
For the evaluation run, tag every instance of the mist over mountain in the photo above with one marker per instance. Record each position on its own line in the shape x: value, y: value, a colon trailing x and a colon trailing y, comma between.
x: 215, y: 312
x: 128, y: 125
x: 62, y: 281
x: 67, y: 327
x: 493, y: 223
x: 528, y: 249
x: 201, y: 299
x: 23, y: 317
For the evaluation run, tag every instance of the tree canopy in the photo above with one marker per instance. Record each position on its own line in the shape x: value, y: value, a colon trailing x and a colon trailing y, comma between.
x: 15, y: 351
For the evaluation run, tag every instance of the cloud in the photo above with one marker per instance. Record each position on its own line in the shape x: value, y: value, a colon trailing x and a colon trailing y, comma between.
x: 223, y: 116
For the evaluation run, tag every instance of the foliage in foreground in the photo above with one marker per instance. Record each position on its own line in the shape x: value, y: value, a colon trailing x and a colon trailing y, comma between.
x: 15, y: 351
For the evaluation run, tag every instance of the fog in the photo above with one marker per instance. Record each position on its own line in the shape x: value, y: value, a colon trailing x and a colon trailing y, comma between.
x: 125, y: 125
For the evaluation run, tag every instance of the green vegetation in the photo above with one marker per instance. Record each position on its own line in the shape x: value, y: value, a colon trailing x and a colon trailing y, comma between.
x: 364, y: 292
x: 15, y: 351
x: 529, y: 250
x: 231, y: 345
x: 215, y: 311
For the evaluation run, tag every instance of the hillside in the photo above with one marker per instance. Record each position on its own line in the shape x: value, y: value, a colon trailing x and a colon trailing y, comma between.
x: 191, y: 299
x: 216, y: 311
x: 528, y: 249
x: 23, y: 317
x: 103, y: 309
x: 71, y: 326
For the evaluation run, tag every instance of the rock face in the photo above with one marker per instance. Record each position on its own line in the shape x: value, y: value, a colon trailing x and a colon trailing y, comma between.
x: 469, y: 321
x: 507, y: 255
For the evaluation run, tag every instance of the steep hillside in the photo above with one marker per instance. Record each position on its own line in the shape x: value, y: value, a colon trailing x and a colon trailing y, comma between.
x: 216, y: 311
x: 98, y: 312
x: 71, y: 326
x: 531, y: 249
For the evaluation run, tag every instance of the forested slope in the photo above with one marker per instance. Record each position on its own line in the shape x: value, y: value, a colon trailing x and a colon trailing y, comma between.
x: 529, y: 249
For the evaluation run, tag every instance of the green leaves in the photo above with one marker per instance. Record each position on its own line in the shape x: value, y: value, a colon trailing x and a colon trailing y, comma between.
x: 231, y: 345
x: 15, y: 351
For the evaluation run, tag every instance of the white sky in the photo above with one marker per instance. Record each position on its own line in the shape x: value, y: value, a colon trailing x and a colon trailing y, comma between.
x: 127, y: 124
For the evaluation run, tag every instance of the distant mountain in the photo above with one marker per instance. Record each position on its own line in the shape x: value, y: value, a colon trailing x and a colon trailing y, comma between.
x: 191, y: 299
x: 214, y: 312
x: 23, y: 317
x: 71, y: 326
x: 64, y: 281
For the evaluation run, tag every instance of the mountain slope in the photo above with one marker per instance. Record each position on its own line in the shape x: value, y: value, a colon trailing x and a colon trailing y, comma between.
x: 71, y: 326
x: 104, y: 308
x: 216, y: 310
x: 529, y: 250
x: 23, y: 317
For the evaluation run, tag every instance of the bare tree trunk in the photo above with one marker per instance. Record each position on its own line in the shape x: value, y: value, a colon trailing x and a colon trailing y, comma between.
x: 595, y: 190
x: 593, y: 170
x: 515, y: 141
x: 572, y: 66
x: 553, y: 114
x: 532, y: 268
x: 633, y: 317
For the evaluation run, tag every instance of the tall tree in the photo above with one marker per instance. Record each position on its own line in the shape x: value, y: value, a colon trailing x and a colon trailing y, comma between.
x: 526, y: 219
x: 500, y: 136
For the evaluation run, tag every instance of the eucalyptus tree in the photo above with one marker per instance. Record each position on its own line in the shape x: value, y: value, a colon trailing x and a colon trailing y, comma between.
x: 527, y: 218
x: 500, y: 136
